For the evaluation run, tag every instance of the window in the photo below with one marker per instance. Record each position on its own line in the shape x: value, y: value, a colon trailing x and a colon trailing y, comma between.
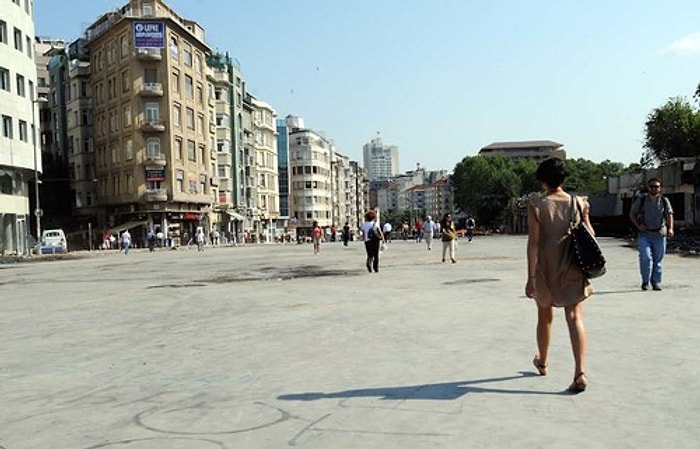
x: 176, y: 115
x: 203, y: 183
x: 179, y: 179
x: 23, y: 131
x: 3, y: 32
x: 200, y: 94
x: 191, y: 155
x: 4, y: 79
x: 202, y: 153
x: 174, y: 47
x: 126, y: 113
x: 178, y: 149
x: 28, y: 43
x: 7, y: 126
x: 197, y: 62
x: 200, y: 124
x: 190, y: 118
x: 126, y: 82
x: 222, y: 171
x: 124, y: 41
x: 31, y: 89
x: 115, y: 154
x: 128, y: 150
x: 20, y: 85
x: 187, y: 54
x: 189, y: 93
x: 153, y: 147
x: 152, y: 112
x: 175, y: 81
x: 85, y: 118
x: 150, y: 76
x: 18, y: 39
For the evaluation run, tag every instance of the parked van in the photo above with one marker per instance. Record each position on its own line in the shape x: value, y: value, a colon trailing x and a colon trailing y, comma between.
x: 53, y: 241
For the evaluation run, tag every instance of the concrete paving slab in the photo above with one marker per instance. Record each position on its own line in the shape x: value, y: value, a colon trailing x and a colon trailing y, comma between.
x: 271, y: 347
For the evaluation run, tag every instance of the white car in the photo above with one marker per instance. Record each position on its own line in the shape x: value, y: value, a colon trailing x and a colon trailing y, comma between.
x: 53, y: 241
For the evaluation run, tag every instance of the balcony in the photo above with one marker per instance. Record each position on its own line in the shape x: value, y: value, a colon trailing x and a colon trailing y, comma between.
x: 157, y: 159
x: 149, y: 54
x: 151, y: 90
x: 155, y: 195
x: 152, y: 125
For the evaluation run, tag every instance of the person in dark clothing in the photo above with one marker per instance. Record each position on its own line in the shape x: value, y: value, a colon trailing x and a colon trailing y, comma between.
x: 373, y: 237
x: 346, y: 234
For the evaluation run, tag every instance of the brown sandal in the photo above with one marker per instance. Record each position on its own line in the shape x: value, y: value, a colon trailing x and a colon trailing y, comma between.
x: 541, y: 367
x: 579, y: 384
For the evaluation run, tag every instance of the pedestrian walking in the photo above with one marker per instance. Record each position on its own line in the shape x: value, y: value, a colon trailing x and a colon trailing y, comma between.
x: 652, y: 215
x: 448, y: 237
x: 346, y: 234
x: 428, y: 231
x: 199, y: 238
x: 470, y: 225
x: 126, y: 241
x: 553, y: 278
x: 373, y: 238
x: 151, y: 240
x: 316, y: 236
x: 386, y: 230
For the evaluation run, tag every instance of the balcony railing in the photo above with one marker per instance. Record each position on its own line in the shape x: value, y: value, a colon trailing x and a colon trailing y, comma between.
x: 155, y: 159
x: 151, y: 90
x: 149, y: 54
x: 152, y: 125
x: 153, y: 195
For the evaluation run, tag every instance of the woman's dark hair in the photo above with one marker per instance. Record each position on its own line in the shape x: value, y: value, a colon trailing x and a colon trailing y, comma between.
x: 552, y: 172
x: 443, y: 222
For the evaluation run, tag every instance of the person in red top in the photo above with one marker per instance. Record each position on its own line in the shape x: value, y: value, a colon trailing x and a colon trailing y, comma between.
x: 419, y: 231
x: 316, y: 236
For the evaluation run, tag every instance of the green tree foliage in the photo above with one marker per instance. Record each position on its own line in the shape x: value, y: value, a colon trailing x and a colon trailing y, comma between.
x: 673, y: 130
x: 485, y: 186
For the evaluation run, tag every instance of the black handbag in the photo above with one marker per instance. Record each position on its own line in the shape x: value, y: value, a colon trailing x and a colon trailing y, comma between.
x: 583, y: 246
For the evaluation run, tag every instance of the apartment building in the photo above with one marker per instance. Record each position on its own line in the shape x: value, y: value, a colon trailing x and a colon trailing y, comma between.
x: 153, y: 149
x: 20, y: 160
x: 310, y: 156
x: 266, y: 169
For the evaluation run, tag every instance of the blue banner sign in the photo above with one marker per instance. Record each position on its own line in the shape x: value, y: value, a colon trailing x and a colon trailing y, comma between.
x: 149, y: 35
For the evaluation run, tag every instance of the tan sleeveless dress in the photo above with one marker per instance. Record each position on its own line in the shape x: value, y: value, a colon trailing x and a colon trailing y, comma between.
x: 559, y: 281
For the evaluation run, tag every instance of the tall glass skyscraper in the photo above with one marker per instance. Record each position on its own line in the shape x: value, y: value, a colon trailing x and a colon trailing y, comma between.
x: 283, y: 165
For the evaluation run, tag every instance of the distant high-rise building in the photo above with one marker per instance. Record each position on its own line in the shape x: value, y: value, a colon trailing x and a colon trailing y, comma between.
x: 381, y: 161
x: 283, y: 165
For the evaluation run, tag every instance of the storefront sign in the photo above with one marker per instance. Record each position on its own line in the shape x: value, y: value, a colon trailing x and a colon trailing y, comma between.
x: 155, y: 173
x: 149, y: 35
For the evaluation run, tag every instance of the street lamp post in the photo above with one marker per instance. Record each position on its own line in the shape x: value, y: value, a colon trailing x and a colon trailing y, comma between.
x: 37, y: 209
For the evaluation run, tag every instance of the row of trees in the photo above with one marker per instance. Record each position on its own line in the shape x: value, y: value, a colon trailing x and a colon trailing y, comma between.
x: 484, y: 186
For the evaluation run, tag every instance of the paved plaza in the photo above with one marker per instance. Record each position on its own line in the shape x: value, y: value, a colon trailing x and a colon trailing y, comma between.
x: 270, y: 347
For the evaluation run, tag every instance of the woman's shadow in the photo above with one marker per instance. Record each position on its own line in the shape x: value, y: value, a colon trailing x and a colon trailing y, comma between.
x: 438, y: 392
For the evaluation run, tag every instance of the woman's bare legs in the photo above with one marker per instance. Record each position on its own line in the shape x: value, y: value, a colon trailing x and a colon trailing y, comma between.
x: 577, y: 335
x: 545, y: 316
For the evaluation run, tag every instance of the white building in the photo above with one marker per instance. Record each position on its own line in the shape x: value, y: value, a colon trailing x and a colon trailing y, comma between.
x: 381, y: 161
x: 19, y: 157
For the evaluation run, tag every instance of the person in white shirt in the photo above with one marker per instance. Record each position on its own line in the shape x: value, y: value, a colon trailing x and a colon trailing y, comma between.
x: 428, y: 230
x: 387, y: 232
x: 126, y: 241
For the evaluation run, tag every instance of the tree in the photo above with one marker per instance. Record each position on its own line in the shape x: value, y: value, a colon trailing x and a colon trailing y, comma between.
x: 673, y: 130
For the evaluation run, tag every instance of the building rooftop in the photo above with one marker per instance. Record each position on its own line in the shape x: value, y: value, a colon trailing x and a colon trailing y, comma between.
x: 523, y: 144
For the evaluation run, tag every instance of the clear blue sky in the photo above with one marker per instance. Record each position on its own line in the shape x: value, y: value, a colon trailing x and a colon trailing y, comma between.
x: 442, y: 78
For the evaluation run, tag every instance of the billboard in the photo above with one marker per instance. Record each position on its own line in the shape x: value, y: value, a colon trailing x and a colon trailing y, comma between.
x: 149, y: 35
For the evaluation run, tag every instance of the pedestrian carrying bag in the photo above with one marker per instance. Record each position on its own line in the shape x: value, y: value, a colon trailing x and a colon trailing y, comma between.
x: 583, y: 246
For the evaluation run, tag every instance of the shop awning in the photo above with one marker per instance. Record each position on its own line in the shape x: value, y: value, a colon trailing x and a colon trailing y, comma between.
x: 235, y: 216
x: 125, y: 226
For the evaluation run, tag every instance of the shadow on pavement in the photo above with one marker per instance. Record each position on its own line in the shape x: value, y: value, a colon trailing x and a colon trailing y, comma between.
x: 437, y: 392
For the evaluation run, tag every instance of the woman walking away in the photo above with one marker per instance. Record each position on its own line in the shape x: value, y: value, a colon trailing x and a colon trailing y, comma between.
x: 449, y: 237
x: 373, y: 238
x: 553, y: 279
